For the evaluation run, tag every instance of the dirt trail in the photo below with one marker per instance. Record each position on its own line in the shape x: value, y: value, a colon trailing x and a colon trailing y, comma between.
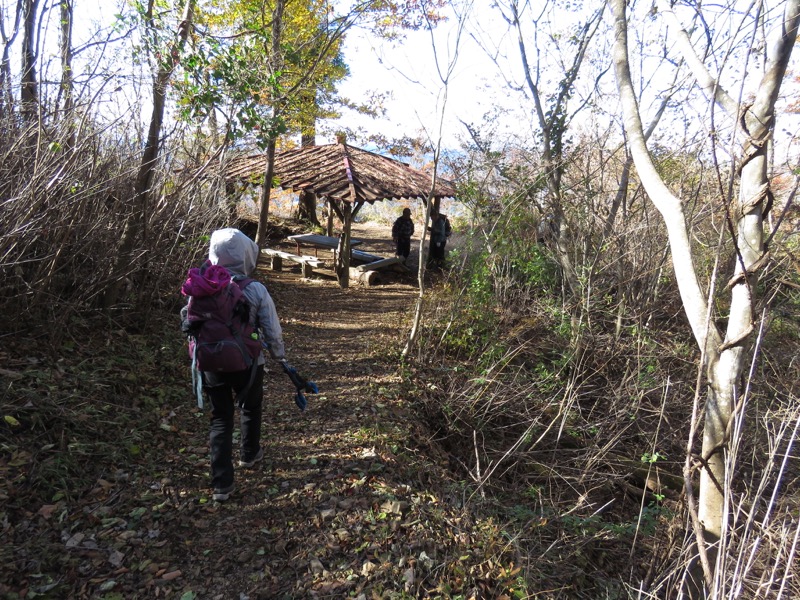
x: 352, y: 500
x: 335, y: 507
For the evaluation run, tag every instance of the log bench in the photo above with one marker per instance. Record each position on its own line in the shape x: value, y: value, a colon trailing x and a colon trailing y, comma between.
x: 366, y: 274
x: 379, y: 263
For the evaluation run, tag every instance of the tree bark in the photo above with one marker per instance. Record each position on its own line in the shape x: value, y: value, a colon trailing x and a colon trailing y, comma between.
x: 343, y: 252
x: 276, y: 63
x: 135, y: 226
x: 29, y: 88
x: 307, y: 202
x: 725, y: 373
x: 724, y: 359
x: 6, y: 95
x: 553, y: 129
x: 65, y: 42
x: 266, y: 189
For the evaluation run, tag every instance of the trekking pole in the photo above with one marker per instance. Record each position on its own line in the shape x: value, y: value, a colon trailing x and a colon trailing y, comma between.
x: 301, y: 384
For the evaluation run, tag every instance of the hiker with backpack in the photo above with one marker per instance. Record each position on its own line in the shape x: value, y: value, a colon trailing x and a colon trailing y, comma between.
x: 229, y: 319
x: 440, y: 232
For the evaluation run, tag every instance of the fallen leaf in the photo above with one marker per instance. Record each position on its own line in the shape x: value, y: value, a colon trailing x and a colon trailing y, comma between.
x: 116, y: 557
x: 408, y: 579
x: 75, y: 540
x: 172, y: 575
x: 316, y: 566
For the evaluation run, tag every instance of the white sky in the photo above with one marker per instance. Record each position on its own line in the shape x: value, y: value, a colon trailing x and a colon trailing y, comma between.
x: 408, y: 71
x: 478, y: 87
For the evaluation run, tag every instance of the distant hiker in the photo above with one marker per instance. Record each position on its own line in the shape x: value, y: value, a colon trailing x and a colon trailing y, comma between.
x: 440, y: 231
x: 232, y: 257
x: 402, y: 230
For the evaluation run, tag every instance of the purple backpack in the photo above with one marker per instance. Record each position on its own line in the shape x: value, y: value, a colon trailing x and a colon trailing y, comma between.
x: 217, y: 321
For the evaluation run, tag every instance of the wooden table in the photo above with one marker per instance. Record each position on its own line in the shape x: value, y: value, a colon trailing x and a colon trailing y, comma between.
x: 319, y: 241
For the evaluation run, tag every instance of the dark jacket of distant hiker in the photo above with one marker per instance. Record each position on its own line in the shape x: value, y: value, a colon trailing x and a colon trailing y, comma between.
x: 440, y: 231
x: 402, y: 230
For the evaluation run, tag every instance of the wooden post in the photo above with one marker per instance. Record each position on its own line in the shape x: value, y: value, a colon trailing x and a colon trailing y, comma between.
x: 329, y: 228
x: 343, y: 253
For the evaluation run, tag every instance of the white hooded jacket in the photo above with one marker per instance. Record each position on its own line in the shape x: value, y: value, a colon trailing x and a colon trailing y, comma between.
x: 232, y: 249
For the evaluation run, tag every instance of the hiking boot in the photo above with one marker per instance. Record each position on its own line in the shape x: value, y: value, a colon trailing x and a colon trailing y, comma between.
x: 222, y: 494
x: 249, y: 463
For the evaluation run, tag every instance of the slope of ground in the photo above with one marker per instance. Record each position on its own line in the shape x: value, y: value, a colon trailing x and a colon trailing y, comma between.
x: 104, y: 489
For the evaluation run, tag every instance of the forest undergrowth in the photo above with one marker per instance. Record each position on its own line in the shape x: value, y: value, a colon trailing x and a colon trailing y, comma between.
x: 574, y: 429
x: 558, y: 458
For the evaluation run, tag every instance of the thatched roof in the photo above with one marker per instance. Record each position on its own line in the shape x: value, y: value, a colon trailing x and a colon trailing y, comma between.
x: 329, y: 170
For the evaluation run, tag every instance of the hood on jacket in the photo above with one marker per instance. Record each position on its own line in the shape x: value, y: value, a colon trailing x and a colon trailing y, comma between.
x: 232, y: 249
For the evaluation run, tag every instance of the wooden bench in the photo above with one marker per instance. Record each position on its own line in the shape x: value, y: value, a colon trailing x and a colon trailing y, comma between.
x: 308, y: 263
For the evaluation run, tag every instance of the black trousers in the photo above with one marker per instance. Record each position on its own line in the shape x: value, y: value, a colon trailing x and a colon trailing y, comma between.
x: 403, y: 247
x: 437, y: 250
x: 222, y: 389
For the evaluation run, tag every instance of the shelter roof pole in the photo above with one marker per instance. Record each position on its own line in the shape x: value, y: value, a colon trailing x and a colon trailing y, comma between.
x: 336, y: 209
x: 357, y: 208
x: 343, y: 258
x: 347, y: 209
x: 329, y: 225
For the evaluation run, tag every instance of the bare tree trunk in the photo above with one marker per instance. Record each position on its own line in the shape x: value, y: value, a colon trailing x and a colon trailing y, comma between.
x: 29, y: 90
x: 307, y: 202
x: 415, y: 325
x: 276, y: 61
x: 66, y: 90
x: 432, y: 201
x: 266, y: 189
x: 6, y: 95
x: 553, y: 129
x: 329, y: 224
x: 343, y: 252
x: 755, y: 200
x: 724, y: 359
x: 135, y: 226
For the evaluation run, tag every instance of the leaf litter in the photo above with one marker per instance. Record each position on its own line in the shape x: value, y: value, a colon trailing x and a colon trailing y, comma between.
x: 104, y: 470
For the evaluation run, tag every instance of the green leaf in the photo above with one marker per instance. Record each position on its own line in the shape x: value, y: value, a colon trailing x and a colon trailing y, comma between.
x: 137, y: 512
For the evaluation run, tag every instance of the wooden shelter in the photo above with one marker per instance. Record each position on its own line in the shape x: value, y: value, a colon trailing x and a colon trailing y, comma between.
x: 346, y: 177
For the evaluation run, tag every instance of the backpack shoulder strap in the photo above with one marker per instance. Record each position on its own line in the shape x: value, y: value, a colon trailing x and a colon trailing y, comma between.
x: 243, y: 283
